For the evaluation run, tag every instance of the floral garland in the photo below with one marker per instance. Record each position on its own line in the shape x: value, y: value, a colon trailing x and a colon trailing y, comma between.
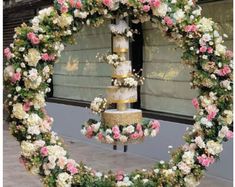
x: 120, y: 134
x: 29, y: 65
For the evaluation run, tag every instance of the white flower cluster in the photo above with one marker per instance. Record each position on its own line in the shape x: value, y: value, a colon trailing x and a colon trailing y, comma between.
x: 121, y: 28
x: 98, y: 105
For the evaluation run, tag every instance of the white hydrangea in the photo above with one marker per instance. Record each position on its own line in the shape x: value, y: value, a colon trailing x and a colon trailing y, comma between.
x: 184, y: 168
x: 188, y: 158
x: 56, y: 151
x: 199, y: 141
x: 33, y: 56
x: 64, y: 180
x: 223, y: 131
x: 205, y: 25
x: 18, y: 111
x: 213, y: 147
x: 33, y: 119
x: 220, y: 49
x: 34, y: 130
x: 179, y: 15
x: 27, y: 148
x: 39, y: 101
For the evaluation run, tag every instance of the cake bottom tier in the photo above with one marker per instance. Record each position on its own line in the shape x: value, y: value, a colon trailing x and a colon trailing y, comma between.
x: 114, y: 117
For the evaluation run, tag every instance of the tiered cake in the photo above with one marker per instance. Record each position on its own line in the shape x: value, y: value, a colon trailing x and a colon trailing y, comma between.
x: 121, y: 95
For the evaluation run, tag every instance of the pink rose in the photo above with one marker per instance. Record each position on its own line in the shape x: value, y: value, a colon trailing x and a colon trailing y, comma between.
x: 203, y: 49
x: 119, y: 176
x: 45, y: 56
x: 205, y: 161
x: 168, y: 21
x: 61, y: 1
x: 141, y: 133
x: 116, y: 136
x: 78, y: 4
x: 155, y: 124
x: 100, y: 136
x: 226, y: 70
x: 229, y: 135
x: 16, y: 77
x: 190, y: 28
x: 72, y: 3
x: 135, y: 136
x: 108, y: 3
x: 89, y: 132
x: 195, y: 103
x: 115, y: 129
x: 210, y: 50
x: 7, y: 53
x: 64, y: 9
x: 146, y: 8
x: 33, y: 38
x: 229, y: 54
x: 212, y: 111
x: 27, y: 106
x: 44, y: 151
x: 139, y: 127
x: 155, y: 3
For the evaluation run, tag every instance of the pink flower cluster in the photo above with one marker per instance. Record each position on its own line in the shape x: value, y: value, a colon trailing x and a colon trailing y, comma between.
x: 205, y: 160
x: 190, y: 28
x: 204, y: 49
x: 155, y: 3
x: 89, y: 132
x: 44, y: 151
x: 7, y: 53
x: 155, y: 125
x: 27, y: 106
x: 33, y: 38
x: 224, y: 71
x: 47, y: 57
x: 108, y: 3
x: 116, y: 132
x: 212, y: 112
x: 195, y: 103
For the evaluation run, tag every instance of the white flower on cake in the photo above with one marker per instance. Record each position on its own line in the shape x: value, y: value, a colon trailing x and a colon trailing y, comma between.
x: 213, y: 147
x: 18, y: 111
x: 109, y: 139
x: 33, y: 57
x: 98, y: 105
x: 64, y: 180
x: 120, y: 28
x: 96, y: 126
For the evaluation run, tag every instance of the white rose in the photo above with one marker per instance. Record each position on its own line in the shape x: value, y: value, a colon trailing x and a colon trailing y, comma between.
x: 34, y: 130
x: 123, y: 139
x: 109, y: 139
x: 154, y: 133
x: 220, y: 49
x: 96, y: 126
x: 179, y: 15
x: 8, y: 72
x: 146, y: 132
x: 57, y: 151
x: 64, y: 20
x: 39, y: 101
x: 18, y: 111
x: 130, y: 129
x: 223, y: 131
x: 33, y: 119
x: 33, y: 57
x: 213, y: 147
x: 80, y: 14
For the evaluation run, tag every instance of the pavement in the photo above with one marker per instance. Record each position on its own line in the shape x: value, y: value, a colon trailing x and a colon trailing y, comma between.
x: 102, y: 159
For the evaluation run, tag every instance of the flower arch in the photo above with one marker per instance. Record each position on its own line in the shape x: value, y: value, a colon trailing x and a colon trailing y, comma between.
x: 29, y: 65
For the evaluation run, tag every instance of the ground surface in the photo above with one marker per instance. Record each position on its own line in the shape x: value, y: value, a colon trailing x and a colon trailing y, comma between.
x: 97, y: 157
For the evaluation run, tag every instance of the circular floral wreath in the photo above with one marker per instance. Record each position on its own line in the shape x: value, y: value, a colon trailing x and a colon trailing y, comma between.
x: 29, y: 66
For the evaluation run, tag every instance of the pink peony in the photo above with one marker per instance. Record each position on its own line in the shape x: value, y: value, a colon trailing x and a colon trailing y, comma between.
x: 155, y: 3
x: 64, y: 9
x: 203, y: 49
x: 212, y: 111
x: 168, y: 21
x: 7, y: 53
x: 139, y: 127
x: 205, y: 160
x: 119, y: 176
x: 195, y: 103
x: 146, y: 8
x: 155, y: 124
x: 33, y: 38
x: 27, y: 106
x: 115, y: 129
x: 135, y: 136
x: 45, y: 56
x: 226, y: 70
x: 44, y: 151
x: 229, y: 135
x: 108, y: 3
x: 78, y: 4
x: 16, y: 77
